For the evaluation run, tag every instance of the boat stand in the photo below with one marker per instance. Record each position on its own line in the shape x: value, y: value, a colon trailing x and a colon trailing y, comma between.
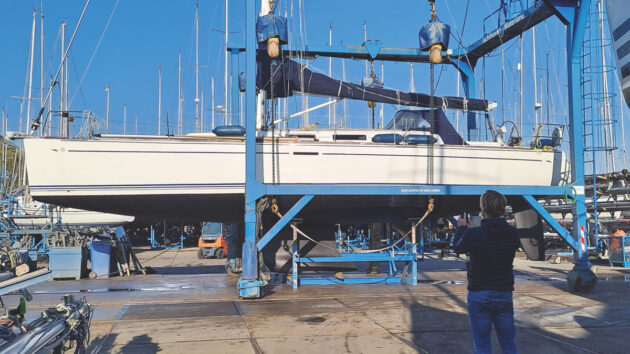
x: 407, y: 253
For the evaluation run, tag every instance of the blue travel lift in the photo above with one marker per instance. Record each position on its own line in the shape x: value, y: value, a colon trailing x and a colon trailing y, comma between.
x: 573, y: 14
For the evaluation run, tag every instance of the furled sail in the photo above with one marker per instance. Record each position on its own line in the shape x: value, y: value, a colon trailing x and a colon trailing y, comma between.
x: 289, y: 77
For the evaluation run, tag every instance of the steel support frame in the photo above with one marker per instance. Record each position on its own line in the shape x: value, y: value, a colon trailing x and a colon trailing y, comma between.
x: 572, y: 14
x: 408, y: 275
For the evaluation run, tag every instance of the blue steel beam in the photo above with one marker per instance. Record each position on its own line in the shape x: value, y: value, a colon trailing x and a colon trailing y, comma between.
x: 532, y: 16
x: 358, y: 257
x: 561, y: 230
x: 398, y: 189
x: 249, y: 285
x: 286, y: 218
x: 364, y: 52
x: 575, y: 40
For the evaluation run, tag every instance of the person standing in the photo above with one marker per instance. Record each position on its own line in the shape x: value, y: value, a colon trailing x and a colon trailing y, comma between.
x: 491, y: 248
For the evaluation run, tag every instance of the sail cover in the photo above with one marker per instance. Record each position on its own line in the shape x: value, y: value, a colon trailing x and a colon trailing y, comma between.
x: 289, y: 76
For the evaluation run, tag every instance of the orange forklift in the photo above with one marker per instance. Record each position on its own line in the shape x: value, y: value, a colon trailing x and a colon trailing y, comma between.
x: 211, y: 241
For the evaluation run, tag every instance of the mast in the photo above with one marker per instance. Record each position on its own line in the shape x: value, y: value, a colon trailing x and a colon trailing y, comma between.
x: 520, y: 69
x: 212, y: 101
x: 197, y: 67
x: 225, y: 71
x: 457, y: 111
x: 329, y: 70
x: 608, y: 129
x: 160, y: 100
x: 367, y: 116
x: 201, y: 113
x: 537, y: 105
x: 62, y: 85
x: 125, y: 118
x: 623, y: 133
x: 107, y: 111
x: 382, y: 113
x: 502, y: 88
x: 548, y: 93
x: 30, y: 70
x: 343, y: 78
x: 179, y: 93
x: 136, y: 123
x: 41, y: 58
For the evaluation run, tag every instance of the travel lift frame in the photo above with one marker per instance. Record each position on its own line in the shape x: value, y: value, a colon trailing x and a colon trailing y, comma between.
x: 574, y: 14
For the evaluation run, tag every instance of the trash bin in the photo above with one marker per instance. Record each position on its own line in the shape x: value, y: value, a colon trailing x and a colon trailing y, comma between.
x: 100, y: 254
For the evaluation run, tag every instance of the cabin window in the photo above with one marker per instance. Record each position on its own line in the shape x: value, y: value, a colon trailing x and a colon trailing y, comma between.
x: 349, y: 137
x: 304, y: 136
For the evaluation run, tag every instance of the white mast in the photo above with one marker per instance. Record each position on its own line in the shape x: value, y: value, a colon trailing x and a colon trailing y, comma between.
x: 179, y: 93
x: 212, y: 101
x: 30, y: 71
x: 107, y: 111
x: 382, y: 104
x: 608, y: 129
x: 160, y: 100
x: 623, y: 133
x: 125, y: 118
x: 520, y: 69
x: 136, y: 123
x: 225, y: 71
x: 502, y: 89
x: 537, y: 105
x: 41, y: 58
x: 201, y: 114
x: 367, y: 116
x: 329, y: 70
x: 62, y: 85
x: 343, y: 78
x: 196, y: 67
x: 412, y: 85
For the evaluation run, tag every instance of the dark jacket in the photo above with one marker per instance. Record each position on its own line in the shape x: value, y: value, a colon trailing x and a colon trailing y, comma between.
x: 491, y: 248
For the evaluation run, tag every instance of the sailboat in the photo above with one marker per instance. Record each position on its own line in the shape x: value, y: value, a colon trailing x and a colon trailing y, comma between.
x: 201, y: 176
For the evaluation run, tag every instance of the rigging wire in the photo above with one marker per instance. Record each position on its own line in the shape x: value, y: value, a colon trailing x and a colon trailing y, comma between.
x: 98, y: 44
x: 37, y: 120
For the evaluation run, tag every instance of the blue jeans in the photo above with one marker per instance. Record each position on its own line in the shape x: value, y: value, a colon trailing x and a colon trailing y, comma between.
x: 488, y: 307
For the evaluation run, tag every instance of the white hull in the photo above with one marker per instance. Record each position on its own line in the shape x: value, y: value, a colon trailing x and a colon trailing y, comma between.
x: 33, y: 214
x: 212, y: 169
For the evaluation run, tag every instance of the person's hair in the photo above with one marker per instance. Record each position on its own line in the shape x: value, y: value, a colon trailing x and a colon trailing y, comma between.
x: 493, y: 203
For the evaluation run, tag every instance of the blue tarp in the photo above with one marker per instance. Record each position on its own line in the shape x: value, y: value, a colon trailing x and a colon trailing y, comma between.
x: 432, y: 33
x: 287, y: 78
x: 270, y: 26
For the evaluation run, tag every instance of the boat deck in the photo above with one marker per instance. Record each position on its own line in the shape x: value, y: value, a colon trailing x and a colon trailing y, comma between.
x: 191, y: 306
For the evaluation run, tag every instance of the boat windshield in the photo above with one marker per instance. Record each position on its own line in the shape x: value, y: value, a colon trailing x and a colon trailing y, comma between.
x: 408, y: 120
x: 212, y: 228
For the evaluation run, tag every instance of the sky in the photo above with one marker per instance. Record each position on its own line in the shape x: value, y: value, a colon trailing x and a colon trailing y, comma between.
x: 126, y: 51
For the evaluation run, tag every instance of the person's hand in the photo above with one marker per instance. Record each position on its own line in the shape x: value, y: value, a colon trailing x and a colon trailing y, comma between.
x: 463, y: 220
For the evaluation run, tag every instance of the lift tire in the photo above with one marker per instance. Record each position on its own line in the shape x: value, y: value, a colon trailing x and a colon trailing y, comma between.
x: 200, y: 254
x: 220, y: 253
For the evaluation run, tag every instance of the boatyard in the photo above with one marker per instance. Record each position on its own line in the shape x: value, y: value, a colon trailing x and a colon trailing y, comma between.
x: 300, y: 200
x: 190, y: 306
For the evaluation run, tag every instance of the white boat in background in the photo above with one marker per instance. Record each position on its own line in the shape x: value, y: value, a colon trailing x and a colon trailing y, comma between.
x: 31, y: 213
x: 202, y: 176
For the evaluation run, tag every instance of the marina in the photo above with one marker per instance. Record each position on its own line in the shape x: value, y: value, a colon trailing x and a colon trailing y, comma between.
x: 305, y: 209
